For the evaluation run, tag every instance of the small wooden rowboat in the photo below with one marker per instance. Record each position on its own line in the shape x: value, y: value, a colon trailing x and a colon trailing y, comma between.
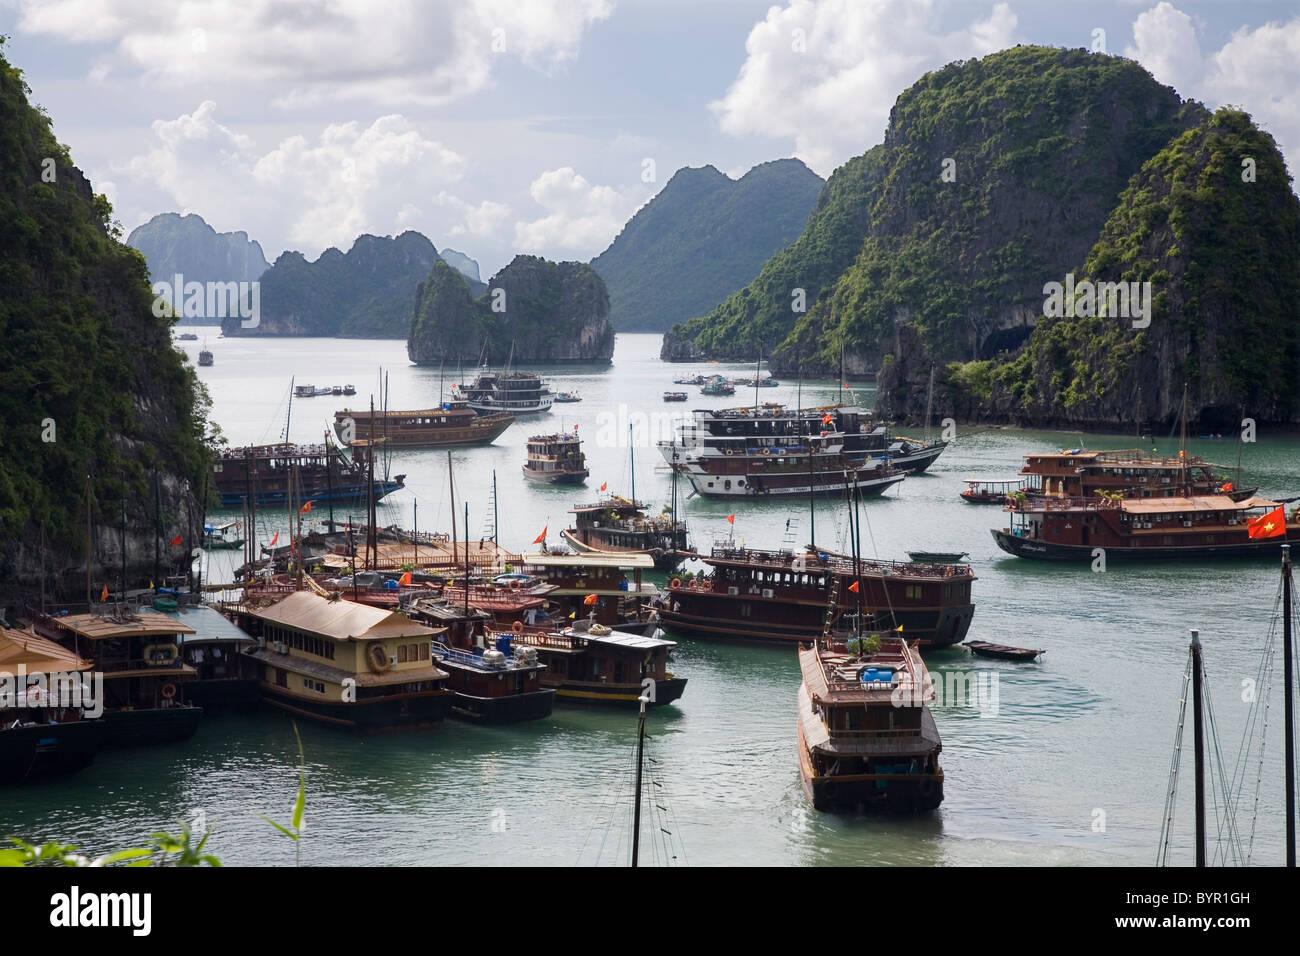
x: 937, y: 557
x: 1003, y: 651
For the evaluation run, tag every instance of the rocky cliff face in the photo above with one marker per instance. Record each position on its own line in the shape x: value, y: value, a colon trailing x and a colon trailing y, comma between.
x: 462, y: 264
x: 704, y: 236
x: 98, y: 405
x: 1211, y: 230
x: 366, y: 292
x: 547, y: 311
x: 995, y: 176
x: 186, y: 245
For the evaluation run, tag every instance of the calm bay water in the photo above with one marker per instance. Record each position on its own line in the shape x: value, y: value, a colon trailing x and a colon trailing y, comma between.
x: 1072, y: 768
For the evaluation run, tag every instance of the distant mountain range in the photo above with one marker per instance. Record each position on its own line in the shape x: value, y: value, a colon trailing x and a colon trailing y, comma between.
x: 704, y: 236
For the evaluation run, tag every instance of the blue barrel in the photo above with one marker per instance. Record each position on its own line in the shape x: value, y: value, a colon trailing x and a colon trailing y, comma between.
x: 503, y: 644
x: 886, y: 676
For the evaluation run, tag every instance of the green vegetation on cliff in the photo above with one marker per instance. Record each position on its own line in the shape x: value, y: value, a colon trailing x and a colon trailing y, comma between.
x: 710, y: 234
x: 1211, y: 222
x: 546, y: 311
x: 93, y: 385
x: 995, y: 176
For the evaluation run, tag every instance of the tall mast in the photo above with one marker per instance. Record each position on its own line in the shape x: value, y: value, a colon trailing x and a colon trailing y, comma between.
x: 452, y: 491
x: 1198, y: 736
x: 157, y: 520
x: 1289, y: 713
x: 467, y: 559
x: 495, y: 530
x: 372, y: 539
x: 929, y: 403
x: 631, y: 457
x: 90, y: 543
x: 839, y: 386
x: 857, y: 557
x: 123, y: 598
x: 288, y: 413
x: 758, y: 371
x: 415, y: 532
x: 329, y: 477
x: 640, y: 754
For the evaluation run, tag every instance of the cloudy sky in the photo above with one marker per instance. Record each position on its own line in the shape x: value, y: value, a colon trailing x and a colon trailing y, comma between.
x: 540, y: 126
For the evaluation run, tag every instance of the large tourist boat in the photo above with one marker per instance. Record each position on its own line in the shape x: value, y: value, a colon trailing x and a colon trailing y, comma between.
x: 867, y: 738
x: 778, y: 430
x: 343, y: 663
x: 590, y: 663
x: 514, y: 393
x: 47, y: 727
x: 1151, y: 529
x: 556, y: 459
x: 270, y: 475
x: 1080, y: 473
x: 498, y: 684
x: 451, y: 423
x: 224, y: 678
x: 138, y: 653
x: 784, y: 596
x: 620, y: 526
x: 596, y: 585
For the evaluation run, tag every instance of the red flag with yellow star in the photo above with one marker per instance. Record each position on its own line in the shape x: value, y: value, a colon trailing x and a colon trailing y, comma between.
x: 1269, y: 525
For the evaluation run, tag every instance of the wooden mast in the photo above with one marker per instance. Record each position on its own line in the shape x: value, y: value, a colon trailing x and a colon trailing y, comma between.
x: 451, y: 488
x: 1198, y: 743
x: 640, y: 755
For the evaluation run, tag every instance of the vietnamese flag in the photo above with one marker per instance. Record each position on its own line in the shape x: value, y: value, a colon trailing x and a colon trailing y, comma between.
x: 541, y: 538
x: 731, y: 518
x: 405, y: 579
x: 305, y: 509
x: 103, y: 595
x: 854, y: 587
x: 604, y: 485
x: 589, y: 599
x: 1268, y: 525
x: 274, y: 540
x: 175, y: 542
x: 826, y: 419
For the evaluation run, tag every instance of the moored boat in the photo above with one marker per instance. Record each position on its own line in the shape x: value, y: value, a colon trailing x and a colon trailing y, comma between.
x: 221, y: 537
x: 345, y: 664
x: 205, y: 357
x: 452, y: 423
x: 49, y: 726
x: 620, y: 526
x: 269, y: 474
x: 675, y: 396
x: 556, y: 459
x: 866, y: 736
x: 1131, y: 473
x: 989, y: 491
x: 1145, y: 529
x: 1003, y: 651
x: 567, y: 397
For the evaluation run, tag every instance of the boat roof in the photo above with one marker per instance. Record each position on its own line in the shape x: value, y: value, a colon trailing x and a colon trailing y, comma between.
x: 456, y: 405
x: 340, y: 620
x: 36, y: 654
x: 1194, y: 503
x: 623, y: 639
x: 99, y: 625
x: 616, y: 502
x: 224, y: 526
x: 209, y: 625
x: 630, y: 559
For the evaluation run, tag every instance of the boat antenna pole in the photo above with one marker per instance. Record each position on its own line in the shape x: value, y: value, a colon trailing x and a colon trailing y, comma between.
x: 1198, y: 737
x: 467, y: 559
x: 1289, y: 713
x: 640, y: 755
x: 288, y: 414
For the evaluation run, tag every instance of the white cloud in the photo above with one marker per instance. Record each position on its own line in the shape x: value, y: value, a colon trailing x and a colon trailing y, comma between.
x: 477, y: 220
x: 308, y: 193
x: 826, y: 72
x: 425, y: 51
x: 580, y: 217
x: 1257, y: 70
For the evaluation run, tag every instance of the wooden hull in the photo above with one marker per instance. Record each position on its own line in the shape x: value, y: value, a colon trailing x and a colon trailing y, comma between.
x: 711, y: 616
x: 585, y: 693
x: 556, y: 477
x: 141, y: 728
x: 1003, y: 652
x: 48, y: 750
x: 511, y: 709
x: 367, y: 715
x: 343, y: 492
x: 788, y: 484
x: 233, y: 693
x: 1051, y: 551
x: 483, y: 432
x: 892, y: 793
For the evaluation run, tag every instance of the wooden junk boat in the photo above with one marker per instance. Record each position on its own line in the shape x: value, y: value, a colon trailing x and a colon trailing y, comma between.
x: 782, y: 430
x: 867, y: 738
x: 755, y: 595
x: 452, y: 423
x: 1079, y: 473
x: 620, y: 526
x: 344, y: 664
x: 44, y: 733
x: 270, y: 474
x: 494, y: 684
x: 589, y: 663
x: 556, y: 459
x: 138, y: 653
x: 1145, y: 529
x: 598, y: 585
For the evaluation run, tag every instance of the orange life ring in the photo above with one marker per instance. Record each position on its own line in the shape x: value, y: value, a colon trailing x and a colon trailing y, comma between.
x: 517, y: 627
x: 675, y: 584
x: 514, y: 584
x: 168, y: 691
